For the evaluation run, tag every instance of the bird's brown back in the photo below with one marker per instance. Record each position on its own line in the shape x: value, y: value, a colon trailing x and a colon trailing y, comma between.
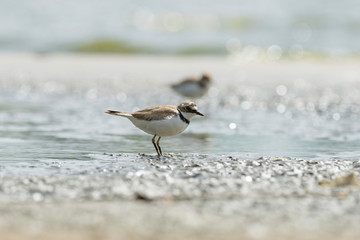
x: 156, y: 113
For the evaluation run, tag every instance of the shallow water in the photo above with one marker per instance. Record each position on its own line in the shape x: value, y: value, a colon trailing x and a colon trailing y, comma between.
x: 49, y: 128
x: 52, y: 109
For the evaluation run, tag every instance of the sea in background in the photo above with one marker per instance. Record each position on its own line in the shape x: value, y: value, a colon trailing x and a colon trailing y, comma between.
x: 286, y: 27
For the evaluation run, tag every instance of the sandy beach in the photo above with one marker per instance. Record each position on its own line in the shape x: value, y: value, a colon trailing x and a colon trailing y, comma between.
x: 80, y: 175
x: 187, y: 196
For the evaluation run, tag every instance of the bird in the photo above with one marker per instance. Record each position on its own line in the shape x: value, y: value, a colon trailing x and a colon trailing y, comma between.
x: 161, y: 121
x: 192, y: 87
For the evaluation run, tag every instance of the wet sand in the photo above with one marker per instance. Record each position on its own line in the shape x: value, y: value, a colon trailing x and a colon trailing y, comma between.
x: 180, y: 196
x: 187, y: 197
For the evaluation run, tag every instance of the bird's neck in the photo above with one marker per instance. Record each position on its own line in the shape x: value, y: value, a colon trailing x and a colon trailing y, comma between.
x: 184, y: 116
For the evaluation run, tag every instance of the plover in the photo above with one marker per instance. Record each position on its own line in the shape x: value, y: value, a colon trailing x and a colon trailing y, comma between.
x: 192, y: 87
x: 161, y: 121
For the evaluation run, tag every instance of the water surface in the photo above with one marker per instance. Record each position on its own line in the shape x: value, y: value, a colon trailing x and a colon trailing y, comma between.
x: 46, y: 115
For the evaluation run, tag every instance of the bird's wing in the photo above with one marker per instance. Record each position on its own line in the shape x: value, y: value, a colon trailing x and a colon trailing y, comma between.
x: 156, y: 113
x: 186, y: 81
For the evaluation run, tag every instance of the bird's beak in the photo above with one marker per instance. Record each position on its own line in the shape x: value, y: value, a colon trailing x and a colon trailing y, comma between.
x: 199, y: 113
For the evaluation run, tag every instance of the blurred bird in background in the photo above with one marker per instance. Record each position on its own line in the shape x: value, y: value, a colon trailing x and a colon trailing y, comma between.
x: 193, y: 87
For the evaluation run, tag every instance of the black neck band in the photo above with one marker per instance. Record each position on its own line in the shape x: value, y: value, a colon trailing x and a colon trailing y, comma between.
x: 184, y: 119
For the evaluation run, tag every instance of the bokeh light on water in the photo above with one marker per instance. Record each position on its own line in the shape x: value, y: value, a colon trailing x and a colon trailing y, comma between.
x: 284, y: 110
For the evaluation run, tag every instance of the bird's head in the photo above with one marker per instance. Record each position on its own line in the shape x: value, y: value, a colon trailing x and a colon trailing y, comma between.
x: 189, y: 109
x: 205, y: 80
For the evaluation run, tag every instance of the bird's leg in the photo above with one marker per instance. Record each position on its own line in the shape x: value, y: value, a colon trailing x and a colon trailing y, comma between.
x: 153, y: 141
x: 158, y: 141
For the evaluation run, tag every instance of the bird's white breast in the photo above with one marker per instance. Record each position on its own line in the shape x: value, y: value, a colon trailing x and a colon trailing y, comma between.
x: 163, y: 128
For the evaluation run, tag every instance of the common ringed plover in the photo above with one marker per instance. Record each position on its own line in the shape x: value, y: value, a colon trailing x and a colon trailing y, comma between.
x: 161, y: 121
x: 193, y: 87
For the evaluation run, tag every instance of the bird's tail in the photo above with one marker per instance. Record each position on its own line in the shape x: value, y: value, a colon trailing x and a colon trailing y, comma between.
x: 117, y: 113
